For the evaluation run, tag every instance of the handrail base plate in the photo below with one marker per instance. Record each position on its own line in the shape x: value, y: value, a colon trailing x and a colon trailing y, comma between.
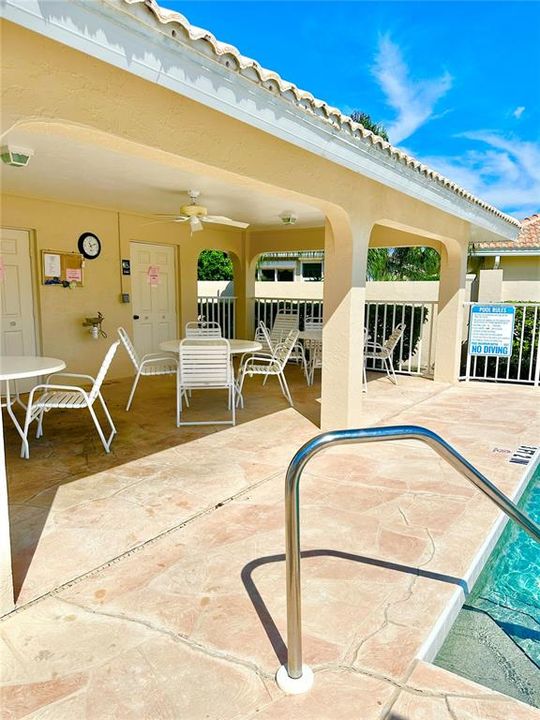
x: 292, y: 686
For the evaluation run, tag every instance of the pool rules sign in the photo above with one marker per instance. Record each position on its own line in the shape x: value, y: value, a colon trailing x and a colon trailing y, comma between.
x: 491, y: 331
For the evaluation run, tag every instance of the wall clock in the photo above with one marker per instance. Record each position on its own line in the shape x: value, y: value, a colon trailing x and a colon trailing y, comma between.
x: 89, y: 245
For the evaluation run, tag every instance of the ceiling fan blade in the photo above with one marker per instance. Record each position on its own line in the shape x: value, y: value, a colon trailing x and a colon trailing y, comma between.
x: 222, y: 220
x: 196, y: 224
x: 172, y: 216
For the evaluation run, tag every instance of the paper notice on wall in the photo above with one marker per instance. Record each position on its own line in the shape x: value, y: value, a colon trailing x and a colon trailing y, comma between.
x: 51, y: 264
x: 153, y: 276
x: 74, y: 274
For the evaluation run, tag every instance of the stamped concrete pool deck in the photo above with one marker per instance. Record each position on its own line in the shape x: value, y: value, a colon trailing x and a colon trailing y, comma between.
x: 151, y: 582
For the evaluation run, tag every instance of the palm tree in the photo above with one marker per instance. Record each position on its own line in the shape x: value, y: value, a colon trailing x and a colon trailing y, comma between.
x: 366, y: 120
x: 403, y: 263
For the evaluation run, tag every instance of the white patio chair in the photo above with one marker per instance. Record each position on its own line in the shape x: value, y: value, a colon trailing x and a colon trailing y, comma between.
x: 284, y: 322
x: 203, y: 329
x: 151, y: 364
x: 313, y: 350
x: 268, y: 365
x: 70, y: 397
x: 205, y: 365
x: 384, y: 353
x: 262, y: 335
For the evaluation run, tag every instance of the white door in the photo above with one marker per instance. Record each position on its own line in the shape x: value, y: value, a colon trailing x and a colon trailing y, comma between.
x: 17, y: 328
x: 153, y: 295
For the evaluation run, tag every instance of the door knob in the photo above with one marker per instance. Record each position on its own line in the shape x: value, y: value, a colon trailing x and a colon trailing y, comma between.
x: 13, y: 323
x: 135, y: 317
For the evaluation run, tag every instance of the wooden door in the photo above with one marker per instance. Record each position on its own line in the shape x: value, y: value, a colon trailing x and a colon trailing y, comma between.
x: 17, y: 326
x: 153, y: 295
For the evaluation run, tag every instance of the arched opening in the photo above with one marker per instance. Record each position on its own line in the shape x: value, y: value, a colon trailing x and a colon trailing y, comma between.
x: 216, y: 300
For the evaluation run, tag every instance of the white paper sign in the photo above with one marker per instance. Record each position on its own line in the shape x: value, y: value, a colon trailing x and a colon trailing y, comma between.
x: 52, y: 265
x: 491, y: 330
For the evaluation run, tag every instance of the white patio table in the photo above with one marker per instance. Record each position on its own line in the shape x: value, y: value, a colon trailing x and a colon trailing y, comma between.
x: 310, y: 334
x: 238, y: 347
x: 19, y: 367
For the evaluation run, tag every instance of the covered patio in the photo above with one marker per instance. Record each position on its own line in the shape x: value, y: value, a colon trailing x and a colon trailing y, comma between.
x: 151, y: 580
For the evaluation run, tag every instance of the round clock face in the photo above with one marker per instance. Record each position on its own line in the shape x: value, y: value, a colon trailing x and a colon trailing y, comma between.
x: 89, y: 245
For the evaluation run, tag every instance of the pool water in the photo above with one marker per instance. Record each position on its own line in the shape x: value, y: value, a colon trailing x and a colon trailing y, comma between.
x: 495, y: 639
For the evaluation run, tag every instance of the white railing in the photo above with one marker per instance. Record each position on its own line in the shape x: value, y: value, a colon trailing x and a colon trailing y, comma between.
x: 524, y: 364
x: 415, y: 353
x: 416, y: 349
x: 221, y: 310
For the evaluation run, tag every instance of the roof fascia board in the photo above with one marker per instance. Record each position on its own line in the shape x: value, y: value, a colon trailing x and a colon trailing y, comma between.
x: 100, y: 29
x: 506, y: 251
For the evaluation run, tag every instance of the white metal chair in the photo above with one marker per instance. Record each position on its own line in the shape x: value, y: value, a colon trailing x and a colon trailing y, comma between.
x: 205, y: 364
x: 70, y: 397
x: 148, y: 365
x: 313, y: 350
x: 284, y: 322
x: 384, y: 352
x: 262, y: 335
x: 203, y: 329
x: 268, y: 365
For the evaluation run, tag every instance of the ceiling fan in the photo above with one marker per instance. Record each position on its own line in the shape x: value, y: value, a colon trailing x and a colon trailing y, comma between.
x: 197, y: 215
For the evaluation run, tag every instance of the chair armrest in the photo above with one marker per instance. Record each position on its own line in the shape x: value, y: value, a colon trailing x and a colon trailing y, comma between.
x: 68, y: 374
x: 156, y: 357
x: 260, y: 359
x: 373, y: 346
x: 71, y: 388
x: 159, y: 356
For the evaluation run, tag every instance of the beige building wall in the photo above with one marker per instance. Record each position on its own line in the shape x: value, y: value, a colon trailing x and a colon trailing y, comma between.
x: 59, y: 312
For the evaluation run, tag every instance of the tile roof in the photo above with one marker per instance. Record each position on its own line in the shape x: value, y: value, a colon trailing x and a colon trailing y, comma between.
x: 528, y: 238
x: 230, y: 57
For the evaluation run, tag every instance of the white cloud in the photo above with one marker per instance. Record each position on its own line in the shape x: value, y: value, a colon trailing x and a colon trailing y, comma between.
x: 518, y: 112
x: 503, y: 171
x: 413, y: 100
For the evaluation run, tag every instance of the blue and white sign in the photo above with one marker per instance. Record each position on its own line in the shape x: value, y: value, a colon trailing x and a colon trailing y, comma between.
x: 491, y: 330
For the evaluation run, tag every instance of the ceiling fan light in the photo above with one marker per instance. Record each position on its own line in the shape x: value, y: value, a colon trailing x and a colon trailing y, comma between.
x: 193, y: 210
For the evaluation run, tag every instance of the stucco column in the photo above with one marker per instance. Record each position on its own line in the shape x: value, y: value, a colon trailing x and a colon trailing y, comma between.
x: 187, y: 285
x: 244, y: 290
x: 346, y: 246
x: 452, y: 295
x: 6, y: 580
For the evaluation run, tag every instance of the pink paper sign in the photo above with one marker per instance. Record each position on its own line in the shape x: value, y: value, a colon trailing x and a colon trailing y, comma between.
x: 73, y: 274
x: 153, y: 275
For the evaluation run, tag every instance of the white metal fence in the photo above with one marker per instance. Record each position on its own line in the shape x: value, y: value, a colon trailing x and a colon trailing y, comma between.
x: 524, y: 364
x: 414, y: 354
x: 221, y: 310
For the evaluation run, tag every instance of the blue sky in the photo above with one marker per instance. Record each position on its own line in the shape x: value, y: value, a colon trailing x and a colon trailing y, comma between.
x: 456, y: 84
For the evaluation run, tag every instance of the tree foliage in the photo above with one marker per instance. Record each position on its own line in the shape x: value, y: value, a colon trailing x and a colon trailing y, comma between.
x: 214, y: 265
x: 367, y: 121
x: 403, y: 263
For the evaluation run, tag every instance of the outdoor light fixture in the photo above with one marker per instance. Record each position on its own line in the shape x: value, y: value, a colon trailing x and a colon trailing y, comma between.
x: 288, y: 217
x: 94, y: 325
x: 16, y: 156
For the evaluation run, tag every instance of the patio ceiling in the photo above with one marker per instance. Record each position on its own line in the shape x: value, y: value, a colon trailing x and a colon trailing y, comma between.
x: 69, y: 170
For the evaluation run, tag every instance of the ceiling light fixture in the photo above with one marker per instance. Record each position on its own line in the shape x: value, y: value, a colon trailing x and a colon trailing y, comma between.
x: 15, y: 156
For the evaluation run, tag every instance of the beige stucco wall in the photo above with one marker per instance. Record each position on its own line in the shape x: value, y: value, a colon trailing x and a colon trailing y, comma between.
x: 521, y: 278
x: 59, y: 312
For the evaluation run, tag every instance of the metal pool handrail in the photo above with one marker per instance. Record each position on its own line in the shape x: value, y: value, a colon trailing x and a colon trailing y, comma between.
x: 294, y: 677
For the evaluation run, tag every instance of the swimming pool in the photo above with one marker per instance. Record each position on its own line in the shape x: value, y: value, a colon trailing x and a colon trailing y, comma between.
x: 495, y: 639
